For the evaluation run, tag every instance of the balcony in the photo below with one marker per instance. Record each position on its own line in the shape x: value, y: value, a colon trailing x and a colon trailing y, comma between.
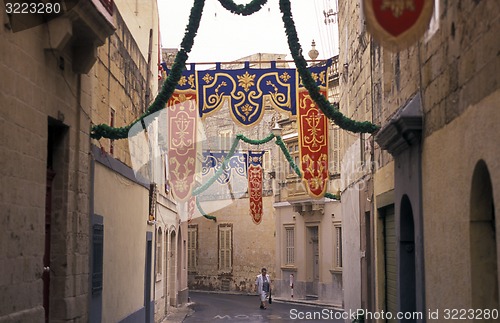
x: 81, y: 30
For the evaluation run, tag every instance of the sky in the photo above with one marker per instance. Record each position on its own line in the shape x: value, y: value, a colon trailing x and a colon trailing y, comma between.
x: 223, y: 36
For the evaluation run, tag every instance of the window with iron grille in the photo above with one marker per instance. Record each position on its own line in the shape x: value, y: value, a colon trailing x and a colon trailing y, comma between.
x: 192, y: 247
x: 225, y: 247
x: 289, y: 245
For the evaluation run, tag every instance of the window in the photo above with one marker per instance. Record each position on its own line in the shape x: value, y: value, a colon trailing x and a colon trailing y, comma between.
x: 192, y: 247
x: 338, y: 246
x: 293, y: 149
x: 336, y: 150
x: 226, y: 140
x: 159, y: 253
x: 225, y: 247
x: 289, y: 245
x: 166, y: 173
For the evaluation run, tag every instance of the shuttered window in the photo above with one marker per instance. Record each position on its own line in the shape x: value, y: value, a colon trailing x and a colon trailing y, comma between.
x: 225, y: 247
x: 338, y: 247
x: 290, y: 245
x: 192, y: 247
x: 390, y: 260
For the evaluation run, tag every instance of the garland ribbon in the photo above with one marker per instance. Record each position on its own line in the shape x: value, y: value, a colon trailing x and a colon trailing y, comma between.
x: 331, y: 111
x: 230, y: 154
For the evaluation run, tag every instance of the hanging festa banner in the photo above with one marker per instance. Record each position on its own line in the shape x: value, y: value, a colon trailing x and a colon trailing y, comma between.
x: 397, y: 24
x: 244, y: 90
x: 181, y: 119
x: 255, y: 178
x: 213, y: 160
x: 313, y: 137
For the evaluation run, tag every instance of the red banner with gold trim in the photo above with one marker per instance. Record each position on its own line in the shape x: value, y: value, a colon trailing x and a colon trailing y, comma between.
x: 396, y: 24
x: 181, y: 118
x: 255, y: 175
x: 313, y: 144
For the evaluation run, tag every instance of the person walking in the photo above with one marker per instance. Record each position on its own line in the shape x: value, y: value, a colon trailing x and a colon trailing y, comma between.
x: 263, y: 284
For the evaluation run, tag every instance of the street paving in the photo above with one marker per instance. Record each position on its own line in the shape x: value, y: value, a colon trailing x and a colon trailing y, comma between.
x: 214, y: 307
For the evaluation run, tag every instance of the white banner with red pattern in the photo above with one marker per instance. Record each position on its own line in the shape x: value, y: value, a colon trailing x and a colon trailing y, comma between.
x: 181, y: 118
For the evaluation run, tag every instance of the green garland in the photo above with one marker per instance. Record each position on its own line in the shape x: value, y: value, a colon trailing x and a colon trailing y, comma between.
x: 255, y: 141
x: 230, y: 154
x: 331, y: 111
x: 244, y: 10
x: 102, y: 130
x: 210, y: 217
x: 288, y: 157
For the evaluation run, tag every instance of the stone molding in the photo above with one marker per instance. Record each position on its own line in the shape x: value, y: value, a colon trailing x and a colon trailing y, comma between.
x: 403, y: 129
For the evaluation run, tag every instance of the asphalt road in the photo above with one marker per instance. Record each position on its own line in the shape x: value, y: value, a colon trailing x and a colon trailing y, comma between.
x: 241, y: 308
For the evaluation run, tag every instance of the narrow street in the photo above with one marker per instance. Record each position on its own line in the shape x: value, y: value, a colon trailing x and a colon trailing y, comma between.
x: 209, y: 307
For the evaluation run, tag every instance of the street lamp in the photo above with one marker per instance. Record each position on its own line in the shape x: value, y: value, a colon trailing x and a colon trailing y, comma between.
x: 276, y: 130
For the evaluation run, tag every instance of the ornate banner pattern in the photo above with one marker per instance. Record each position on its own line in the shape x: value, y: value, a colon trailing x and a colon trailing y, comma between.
x: 181, y: 118
x: 313, y: 138
x: 255, y: 177
x: 237, y: 163
x: 245, y: 90
x: 396, y: 24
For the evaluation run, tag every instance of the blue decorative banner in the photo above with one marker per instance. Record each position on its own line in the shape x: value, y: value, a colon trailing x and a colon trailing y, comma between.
x: 246, y: 90
x: 237, y: 163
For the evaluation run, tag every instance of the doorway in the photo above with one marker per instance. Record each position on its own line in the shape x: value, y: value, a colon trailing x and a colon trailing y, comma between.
x: 407, y: 277
x: 313, y: 259
x: 483, y: 241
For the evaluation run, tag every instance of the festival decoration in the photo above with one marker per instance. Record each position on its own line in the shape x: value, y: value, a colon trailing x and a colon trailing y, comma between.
x: 331, y: 111
x: 313, y: 138
x: 181, y: 119
x: 245, y: 91
x: 231, y: 152
x: 397, y: 24
x: 214, y: 160
x: 255, y: 177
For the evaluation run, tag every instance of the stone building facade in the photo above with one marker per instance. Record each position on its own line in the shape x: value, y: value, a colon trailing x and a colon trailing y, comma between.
x: 77, y: 213
x: 252, y: 246
x: 141, y: 225
x: 46, y: 98
x: 430, y: 204
x: 309, y: 231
